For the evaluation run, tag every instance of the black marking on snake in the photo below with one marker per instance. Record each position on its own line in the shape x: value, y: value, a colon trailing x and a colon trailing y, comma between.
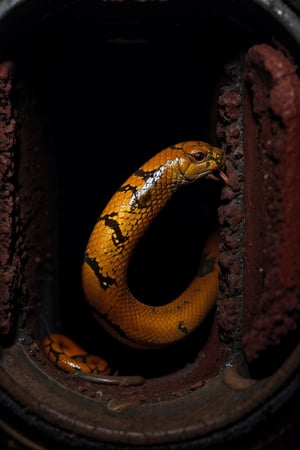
x: 127, y: 188
x: 183, y: 328
x: 206, y: 266
x: 176, y: 147
x: 105, y: 280
x: 145, y: 174
x: 117, y: 236
x: 53, y: 352
x: 144, y: 201
x: 112, y: 325
x: 180, y: 307
x: 84, y: 357
x: 140, y: 202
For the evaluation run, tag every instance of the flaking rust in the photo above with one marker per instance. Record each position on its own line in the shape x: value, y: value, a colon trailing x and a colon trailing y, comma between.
x: 9, y: 260
x: 231, y: 211
x: 272, y: 207
x: 259, y: 121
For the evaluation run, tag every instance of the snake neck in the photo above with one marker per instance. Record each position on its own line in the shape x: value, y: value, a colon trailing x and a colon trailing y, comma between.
x: 129, y: 214
x: 150, y: 192
x: 127, y: 217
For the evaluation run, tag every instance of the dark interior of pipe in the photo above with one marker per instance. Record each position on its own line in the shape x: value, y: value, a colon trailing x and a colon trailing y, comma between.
x: 113, y: 86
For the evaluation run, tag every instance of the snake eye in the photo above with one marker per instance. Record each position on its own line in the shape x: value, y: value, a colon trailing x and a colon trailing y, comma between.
x: 199, y: 156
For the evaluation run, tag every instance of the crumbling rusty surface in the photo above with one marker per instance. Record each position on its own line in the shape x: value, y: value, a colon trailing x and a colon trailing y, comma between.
x: 25, y: 202
x: 9, y: 258
x: 272, y: 201
x: 231, y: 212
x: 200, y: 398
x: 36, y: 191
x: 260, y: 216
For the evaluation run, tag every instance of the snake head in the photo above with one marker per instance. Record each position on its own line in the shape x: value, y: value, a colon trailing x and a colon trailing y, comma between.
x: 201, y: 159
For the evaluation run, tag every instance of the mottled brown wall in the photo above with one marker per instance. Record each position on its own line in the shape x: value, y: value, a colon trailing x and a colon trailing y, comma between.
x: 9, y: 258
x: 272, y: 201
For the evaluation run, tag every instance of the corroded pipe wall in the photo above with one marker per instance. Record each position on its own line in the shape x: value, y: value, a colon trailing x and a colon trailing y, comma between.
x: 259, y: 117
x: 9, y: 256
x: 272, y: 201
x: 259, y: 301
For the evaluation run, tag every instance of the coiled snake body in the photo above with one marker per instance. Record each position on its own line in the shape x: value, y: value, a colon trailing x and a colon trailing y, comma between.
x: 119, y: 228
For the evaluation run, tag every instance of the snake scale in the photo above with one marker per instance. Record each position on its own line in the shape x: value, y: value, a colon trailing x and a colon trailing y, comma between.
x: 116, y: 233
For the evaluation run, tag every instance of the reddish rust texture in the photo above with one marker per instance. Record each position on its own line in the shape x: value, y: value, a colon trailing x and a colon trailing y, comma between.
x: 156, y: 389
x: 231, y: 210
x: 25, y: 201
x: 177, y: 384
x: 8, y: 258
x: 36, y: 196
x: 272, y: 201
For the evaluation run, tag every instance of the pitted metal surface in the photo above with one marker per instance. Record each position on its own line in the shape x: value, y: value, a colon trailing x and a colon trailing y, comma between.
x: 209, y: 404
x: 212, y: 408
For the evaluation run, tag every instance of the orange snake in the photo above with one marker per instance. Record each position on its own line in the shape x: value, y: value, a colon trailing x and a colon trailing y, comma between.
x: 120, y: 226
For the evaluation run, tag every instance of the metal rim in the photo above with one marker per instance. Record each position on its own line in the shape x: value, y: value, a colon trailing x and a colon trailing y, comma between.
x: 63, y: 414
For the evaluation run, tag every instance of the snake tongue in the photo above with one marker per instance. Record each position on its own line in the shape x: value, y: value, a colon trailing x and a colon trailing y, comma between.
x: 224, y: 177
x: 217, y: 174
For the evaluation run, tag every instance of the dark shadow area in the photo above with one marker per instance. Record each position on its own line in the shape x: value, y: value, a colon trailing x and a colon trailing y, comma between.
x: 105, y: 86
x: 115, y: 85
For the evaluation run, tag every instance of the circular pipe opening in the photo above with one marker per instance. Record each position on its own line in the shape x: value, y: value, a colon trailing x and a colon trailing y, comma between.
x: 99, y: 89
